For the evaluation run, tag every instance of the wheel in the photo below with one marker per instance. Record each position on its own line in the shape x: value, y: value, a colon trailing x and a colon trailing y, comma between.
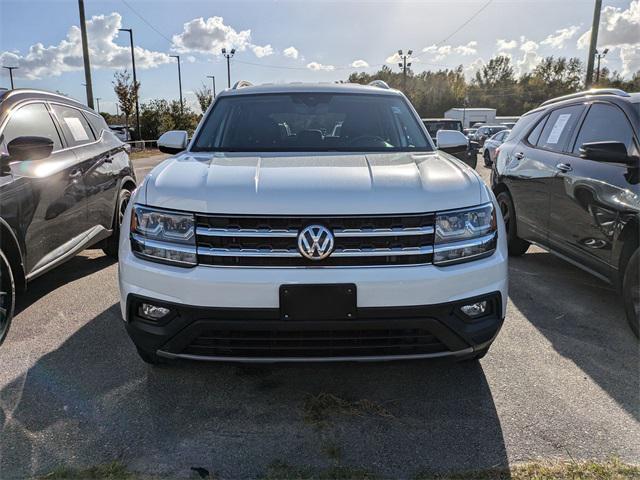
x: 516, y: 245
x: 150, y: 358
x: 631, y: 292
x: 7, y: 296
x: 111, y: 244
x: 487, y: 159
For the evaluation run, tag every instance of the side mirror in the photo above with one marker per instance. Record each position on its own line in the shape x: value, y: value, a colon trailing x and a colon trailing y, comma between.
x: 174, y: 141
x: 29, y: 148
x: 615, y: 152
x: 451, y: 141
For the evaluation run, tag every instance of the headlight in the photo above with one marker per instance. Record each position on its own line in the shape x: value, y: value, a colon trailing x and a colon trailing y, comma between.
x: 467, y: 234
x: 163, y: 236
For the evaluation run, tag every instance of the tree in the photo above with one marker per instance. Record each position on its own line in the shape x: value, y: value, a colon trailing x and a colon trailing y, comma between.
x: 204, y: 96
x: 126, y: 92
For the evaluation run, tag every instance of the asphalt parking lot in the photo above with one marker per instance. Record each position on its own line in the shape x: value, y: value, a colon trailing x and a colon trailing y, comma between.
x: 561, y: 381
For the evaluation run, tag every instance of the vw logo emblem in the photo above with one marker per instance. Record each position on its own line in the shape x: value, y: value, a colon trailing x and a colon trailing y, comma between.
x: 315, y: 242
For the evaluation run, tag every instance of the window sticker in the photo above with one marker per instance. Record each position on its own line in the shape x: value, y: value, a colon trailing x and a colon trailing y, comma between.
x: 77, y: 130
x: 557, y: 129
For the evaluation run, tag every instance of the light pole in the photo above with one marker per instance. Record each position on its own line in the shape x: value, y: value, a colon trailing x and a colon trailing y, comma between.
x: 85, y: 55
x: 135, y: 81
x: 228, y: 57
x: 11, y: 69
x: 404, y: 65
x: 593, y: 42
x: 177, y: 57
x: 213, y: 81
x: 98, y: 102
x: 600, y: 55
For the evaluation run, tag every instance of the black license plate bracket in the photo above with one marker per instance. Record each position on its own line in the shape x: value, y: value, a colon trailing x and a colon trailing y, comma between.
x: 318, y: 301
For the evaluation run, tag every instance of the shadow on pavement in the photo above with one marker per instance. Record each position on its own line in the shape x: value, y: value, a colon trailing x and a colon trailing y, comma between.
x: 78, y: 267
x: 92, y: 401
x: 584, y: 320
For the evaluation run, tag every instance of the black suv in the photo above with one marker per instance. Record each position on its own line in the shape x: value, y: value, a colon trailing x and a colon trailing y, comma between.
x: 65, y: 180
x: 567, y: 180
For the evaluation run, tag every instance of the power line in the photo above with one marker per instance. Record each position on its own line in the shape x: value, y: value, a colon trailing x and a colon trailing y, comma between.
x: 149, y: 24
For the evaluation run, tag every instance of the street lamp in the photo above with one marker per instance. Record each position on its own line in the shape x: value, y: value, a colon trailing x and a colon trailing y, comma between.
x: 135, y: 82
x: 228, y: 57
x: 177, y: 57
x: 600, y: 55
x: 213, y: 81
x: 11, y: 69
x: 404, y: 65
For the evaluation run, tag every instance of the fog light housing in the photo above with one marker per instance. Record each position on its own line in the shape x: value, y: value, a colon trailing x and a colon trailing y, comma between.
x: 152, y: 312
x: 475, y: 310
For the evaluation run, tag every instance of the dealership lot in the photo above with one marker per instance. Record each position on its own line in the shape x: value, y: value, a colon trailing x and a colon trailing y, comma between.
x: 560, y: 381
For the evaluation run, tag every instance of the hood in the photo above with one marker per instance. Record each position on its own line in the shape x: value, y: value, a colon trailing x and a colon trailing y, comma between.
x: 313, y: 184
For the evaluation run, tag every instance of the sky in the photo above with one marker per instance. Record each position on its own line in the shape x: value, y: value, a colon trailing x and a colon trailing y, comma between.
x: 295, y: 40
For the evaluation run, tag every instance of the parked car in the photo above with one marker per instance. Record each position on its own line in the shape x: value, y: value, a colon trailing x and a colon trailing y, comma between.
x: 491, y: 146
x: 487, y: 131
x: 470, y: 132
x: 469, y: 154
x: 478, y: 125
x: 509, y: 125
x: 253, y: 244
x: 122, y: 132
x: 65, y: 181
x: 435, y: 124
x: 567, y: 179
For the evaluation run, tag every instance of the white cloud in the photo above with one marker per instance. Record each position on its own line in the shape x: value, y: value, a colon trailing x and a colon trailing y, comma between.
x: 395, y: 58
x: 359, y: 64
x: 315, y: 66
x: 630, y: 57
x: 262, y: 51
x: 191, y: 59
x: 530, y: 57
x: 468, y: 49
x: 471, y: 69
x: 561, y: 36
x: 617, y: 27
x: 291, y: 52
x: 210, y: 36
x: 502, y: 44
x: 66, y: 56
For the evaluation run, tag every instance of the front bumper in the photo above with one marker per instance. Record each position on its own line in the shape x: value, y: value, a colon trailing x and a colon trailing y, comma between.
x: 260, y: 335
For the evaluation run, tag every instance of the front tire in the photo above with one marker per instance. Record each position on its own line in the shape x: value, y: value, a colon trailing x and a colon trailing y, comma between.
x: 7, y: 296
x: 517, y: 246
x: 487, y: 159
x: 111, y: 244
x: 631, y: 292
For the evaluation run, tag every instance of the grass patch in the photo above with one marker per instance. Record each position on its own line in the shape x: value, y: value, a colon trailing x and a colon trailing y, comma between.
x: 317, y: 408
x: 108, y: 471
x: 284, y: 471
x: 612, y: 469
x: 148, y: 152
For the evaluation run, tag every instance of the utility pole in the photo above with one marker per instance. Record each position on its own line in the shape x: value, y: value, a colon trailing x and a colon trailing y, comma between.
x: 593, y: 43
x: 11, y: 69
x: 135, y: 81
x: 85, y: 55
x: 213, y: 81
x: 177, y: 57
x: 404, y: 65
x: 228, y: 57
x: 98, y: 102
x: 600, y: 56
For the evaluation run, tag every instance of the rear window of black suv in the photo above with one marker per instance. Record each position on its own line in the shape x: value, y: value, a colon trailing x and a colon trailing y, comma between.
x: 321, y: 122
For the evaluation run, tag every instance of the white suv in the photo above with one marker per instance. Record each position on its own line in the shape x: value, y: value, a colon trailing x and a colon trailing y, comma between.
x: 312, y: 223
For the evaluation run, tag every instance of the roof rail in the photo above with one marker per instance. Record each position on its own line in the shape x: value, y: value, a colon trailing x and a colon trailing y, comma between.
x: 241, y: 84
x: 593, y: 91
x: 379, y: 84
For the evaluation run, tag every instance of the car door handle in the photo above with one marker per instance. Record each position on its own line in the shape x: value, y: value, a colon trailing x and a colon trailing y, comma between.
x: 519, y: 156
x: 564, y: 167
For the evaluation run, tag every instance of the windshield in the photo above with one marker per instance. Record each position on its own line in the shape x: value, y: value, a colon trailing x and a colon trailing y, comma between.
x: 311, y: 122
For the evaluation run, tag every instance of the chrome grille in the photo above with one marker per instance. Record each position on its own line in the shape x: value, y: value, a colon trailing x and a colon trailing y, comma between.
x: 272, y: 241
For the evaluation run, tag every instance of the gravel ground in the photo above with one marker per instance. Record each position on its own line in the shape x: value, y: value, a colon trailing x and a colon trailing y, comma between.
x: 561, y: 381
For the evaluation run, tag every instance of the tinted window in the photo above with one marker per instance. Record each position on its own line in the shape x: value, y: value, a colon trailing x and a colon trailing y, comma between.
x: 97, y: 123
x: 604, y: 123
x: 434, y: 125
x: 559, y: 127
x: 75, y: 127
x: 311, y: 122
x: 523, y: 124
x: 31, y: 120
